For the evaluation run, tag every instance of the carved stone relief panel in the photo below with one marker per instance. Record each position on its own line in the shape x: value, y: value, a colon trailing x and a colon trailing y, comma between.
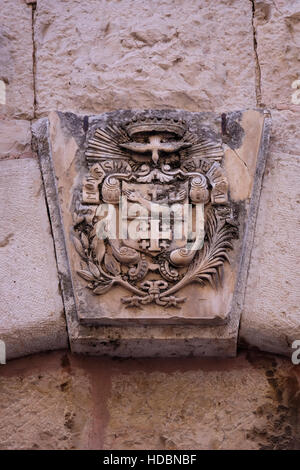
x: 158, y: 209
x: 154, y: 226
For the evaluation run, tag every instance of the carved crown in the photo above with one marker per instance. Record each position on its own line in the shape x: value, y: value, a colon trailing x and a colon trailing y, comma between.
x: 155, y: 123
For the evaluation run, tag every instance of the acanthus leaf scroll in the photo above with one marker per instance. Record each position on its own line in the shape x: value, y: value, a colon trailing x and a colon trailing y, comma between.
x: 157, y: 166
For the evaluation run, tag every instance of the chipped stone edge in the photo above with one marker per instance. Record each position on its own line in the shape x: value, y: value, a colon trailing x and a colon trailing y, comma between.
x: 240, y: 289
x: 146, y: 341
x: 41, y: 143
x: 29, y: 338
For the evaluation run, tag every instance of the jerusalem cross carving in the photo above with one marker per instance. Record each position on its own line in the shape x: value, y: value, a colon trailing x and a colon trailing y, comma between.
x: 154, y: 215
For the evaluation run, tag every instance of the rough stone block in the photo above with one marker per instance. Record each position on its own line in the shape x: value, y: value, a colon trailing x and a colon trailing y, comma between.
x: 229, y: 404
x: 277, y: 26
x: 16, y: 60
x: 285, y: 137
x: 15, y: 139
x: 183, y: 54
x: 271, y: 314
x: 32, y: 316
x: 43, y: 405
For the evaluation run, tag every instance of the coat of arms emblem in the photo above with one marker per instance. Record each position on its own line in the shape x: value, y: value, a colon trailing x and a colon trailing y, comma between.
x: 154, y: 215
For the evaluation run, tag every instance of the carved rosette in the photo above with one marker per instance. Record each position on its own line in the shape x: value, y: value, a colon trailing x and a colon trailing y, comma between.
x: 145, y: 170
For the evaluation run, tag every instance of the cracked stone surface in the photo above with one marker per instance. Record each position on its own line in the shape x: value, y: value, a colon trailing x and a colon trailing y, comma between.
x: 16, y: 60
x: 31, y: 310
x: 167, y: 54
x: 277, y: 27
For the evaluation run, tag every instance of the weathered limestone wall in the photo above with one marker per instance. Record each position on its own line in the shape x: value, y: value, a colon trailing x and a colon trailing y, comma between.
x: 16, y: 60
x: 59, y: 401
x: 154, y: 54
x: 101, y: 55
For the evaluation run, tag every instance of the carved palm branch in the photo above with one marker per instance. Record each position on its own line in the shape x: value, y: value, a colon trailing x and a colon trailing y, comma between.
x: 208, y: 264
